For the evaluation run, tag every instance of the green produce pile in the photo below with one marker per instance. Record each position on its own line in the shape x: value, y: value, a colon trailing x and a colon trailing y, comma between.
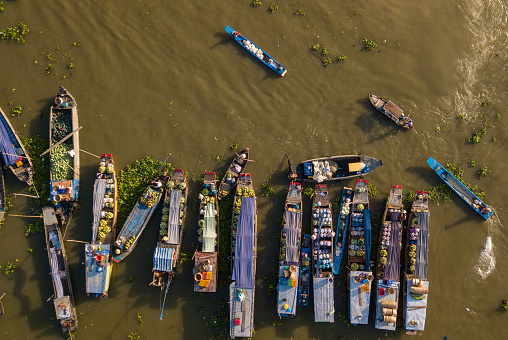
x: 61, y: 125
x: 61, y: 162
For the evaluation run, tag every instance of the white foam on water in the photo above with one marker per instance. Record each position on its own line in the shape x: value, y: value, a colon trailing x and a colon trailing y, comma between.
x: 487, y: 260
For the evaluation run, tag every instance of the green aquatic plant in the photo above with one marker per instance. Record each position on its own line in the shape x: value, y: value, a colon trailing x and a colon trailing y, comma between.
x: 372, y: 189
x: 234, y: 147
x: 267, y: 190
x: 1, y: 6
x: 70, y: 66
x: 9, y: 268
x: 256, y: 3
x: 341, y: 58
x: 326, y: 61
x: 16, y: 110
x: 133, y: 336
x: 300, y: 11
x: 316, y: 47
x: 140, y: 319
x: 369, y: 44
x: 49, y: 68
x: 308, y: 192
x: 477, y: 135
x: 273, y: 7
x: 17, y: 33
x: 472, y: 163
x: 483, y: 171
x: 324, y: 52
x: 504, y: 306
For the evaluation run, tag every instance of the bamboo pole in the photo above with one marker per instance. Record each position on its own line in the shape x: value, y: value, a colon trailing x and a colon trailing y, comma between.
x: 70, y: 167
x: 77, y: 241
x: 10, y: 154
x: 91, y: 154
x: 62, y: 140
x: 29, y: 216
x: 31, y: 196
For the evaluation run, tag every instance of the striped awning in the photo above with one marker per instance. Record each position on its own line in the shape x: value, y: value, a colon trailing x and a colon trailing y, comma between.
x: 163, y: 258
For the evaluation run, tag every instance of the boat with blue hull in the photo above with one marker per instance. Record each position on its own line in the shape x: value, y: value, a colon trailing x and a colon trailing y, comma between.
x: 460, y: 189
x: 98, y: 266
x: 304, y: 277
x: 257, y: 52
x: 388, y: 262
x: 289, y: 257
x: 359, y: 265
x: 13, y: 152
x: 139, y: 217
x: 341, y: 231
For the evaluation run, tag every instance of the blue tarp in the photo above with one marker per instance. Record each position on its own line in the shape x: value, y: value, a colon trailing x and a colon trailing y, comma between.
x: 366, y: 235
x: 307, y: 169
x: 99, y: 190
x: 163, y: 258
x: 8, y: 152
x: 174, y: 217
x: 421, y: 246
x: 324, y: 309
x: 392, y: 269
x: 243, y: 269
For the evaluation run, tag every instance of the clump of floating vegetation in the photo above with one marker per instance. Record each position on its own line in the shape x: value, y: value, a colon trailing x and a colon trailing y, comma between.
x: 483, y: 171
x: 16, y: 33
x: 257, y: 3
x: 16, y: 110
x: 274, y: 7
x: 341, y: 58
x: 369, y: 44
x: 300, y: 11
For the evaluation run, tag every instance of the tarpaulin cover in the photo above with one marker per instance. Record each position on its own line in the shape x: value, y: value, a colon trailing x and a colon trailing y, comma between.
x: 421, y: 246
x: 243, y: 269
x: 55, y: 273
x: 323, y: 299
x: 292, y: 223
x: 392, y: 269
x: 163, y: 258
x: 174, y: 217
x: 8, y: 152
x: 366, y: 234
x: 99, y: 189
x: 209, y: 229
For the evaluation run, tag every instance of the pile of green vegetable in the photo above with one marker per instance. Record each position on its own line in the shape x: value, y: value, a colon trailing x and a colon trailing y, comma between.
x: 61, y: 162
x: 61, y: 125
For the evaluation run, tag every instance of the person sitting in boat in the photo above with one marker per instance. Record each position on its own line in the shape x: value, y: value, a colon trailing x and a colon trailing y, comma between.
x: 235, y: 34
x: 156, y: 184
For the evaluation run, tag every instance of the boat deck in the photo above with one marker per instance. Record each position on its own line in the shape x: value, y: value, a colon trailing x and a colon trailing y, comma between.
x: 415, y: 310
x: 241, y: 316
x: 199, y: 260
x: 384, y: 293
x: 324, y: 309
x: 359, y: 299
x: 97, y: 275
x: 393, y: 109
x: 287, y: 292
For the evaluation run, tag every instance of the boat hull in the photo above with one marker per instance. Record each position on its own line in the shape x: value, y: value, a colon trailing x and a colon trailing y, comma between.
x: 342, y: 228
x: 391, y: 111
x: 229, y: 181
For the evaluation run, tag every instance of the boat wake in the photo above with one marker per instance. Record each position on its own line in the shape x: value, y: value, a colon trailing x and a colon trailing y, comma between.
x: 486, y: 262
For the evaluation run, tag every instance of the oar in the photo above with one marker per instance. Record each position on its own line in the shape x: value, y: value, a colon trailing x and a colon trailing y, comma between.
x: 30, y: 196
x: 91, y: 154
x: 165, y: 294
x: 29, y: 216
x: 2, y: 296
x: 61, y: 141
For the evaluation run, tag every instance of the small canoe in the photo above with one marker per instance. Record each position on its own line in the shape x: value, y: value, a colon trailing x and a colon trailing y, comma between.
x: 304, y: 277
x: 64, y: 157
x: 14, y: 154
x: 416, y: 284
x: 289, y: 256
x: 63, y: 300
x: 333, y: 168
x: 342, y: 224
x: 236, y: 167
x: 392, y: 111
x: 257, y: 52
x: 460, y: 189
x: 205, y: 259
x: 388, y: 261
x: 139, y: 217
x: 98, y: 266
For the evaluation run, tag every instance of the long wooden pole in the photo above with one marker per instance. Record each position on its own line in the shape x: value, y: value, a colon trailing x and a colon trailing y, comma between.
x: 91, y: 154
x: 29, y: 216
x: 31, y: 196
x: 77, y: 241
x: 10, y: 154
x: 62, y: 140
x: 70, y: 167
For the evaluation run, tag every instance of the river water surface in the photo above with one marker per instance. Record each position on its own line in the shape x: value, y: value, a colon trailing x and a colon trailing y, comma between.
x: 152, y: 77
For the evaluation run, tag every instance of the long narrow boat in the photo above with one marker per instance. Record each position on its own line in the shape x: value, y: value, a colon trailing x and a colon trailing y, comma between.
x: 14, y: 154
x: 289, y: 256
x: 392, y: 111
x: 305, y: 273
x: 63, y: 300
x: 416, y: 286
x: 460, y: 189
x: 359, y: 241
x: 64, y: 157
x: 257, y: 52
x: 98, y: 265
x: 333, y: 168
x: 139, y: 217
x: 342, y: 226
x: 244, y: 241
x: 205, y: 260
x: 2, y: 311
x: 322, y: 255
x: 388, y: 261
x: 2, y: 195
x: 228, y: 182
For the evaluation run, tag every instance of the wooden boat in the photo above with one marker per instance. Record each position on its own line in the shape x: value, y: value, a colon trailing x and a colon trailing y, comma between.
x: 257, y: 52
x: 205, y: 260
x: 2, y: 311
x: 392, y: 111
x: 460, y: 189
x: 416, y: 285
x: 139, y: 217
x: 236, y: 167
x: 13, y: 152
x: 243, y: 259
x: 289, y: 256
x: 167, y: 251
x: 98, y: 265
x: 64, y: 156
x: 342, y: 224
x: 63, y: 300
x: 322, y: 255
x: 333, y: 168
x: 359, y: 242
x: 388, y: 261
x: 305, y: 274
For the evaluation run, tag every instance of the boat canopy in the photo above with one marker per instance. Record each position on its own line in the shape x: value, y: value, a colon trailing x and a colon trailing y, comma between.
x: 99, y: 190
x: 367, y: 237
x: 8, y: 152
x: 243, y: 269
x: 392, y: 269
x: 393, y: 109
x: 174, y: 217
x: 163, y: 258
x: 323, y: 299
x: 209, y: 229
x: 421, y: 246
x: 59, y: 292
x: 293, y: 221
